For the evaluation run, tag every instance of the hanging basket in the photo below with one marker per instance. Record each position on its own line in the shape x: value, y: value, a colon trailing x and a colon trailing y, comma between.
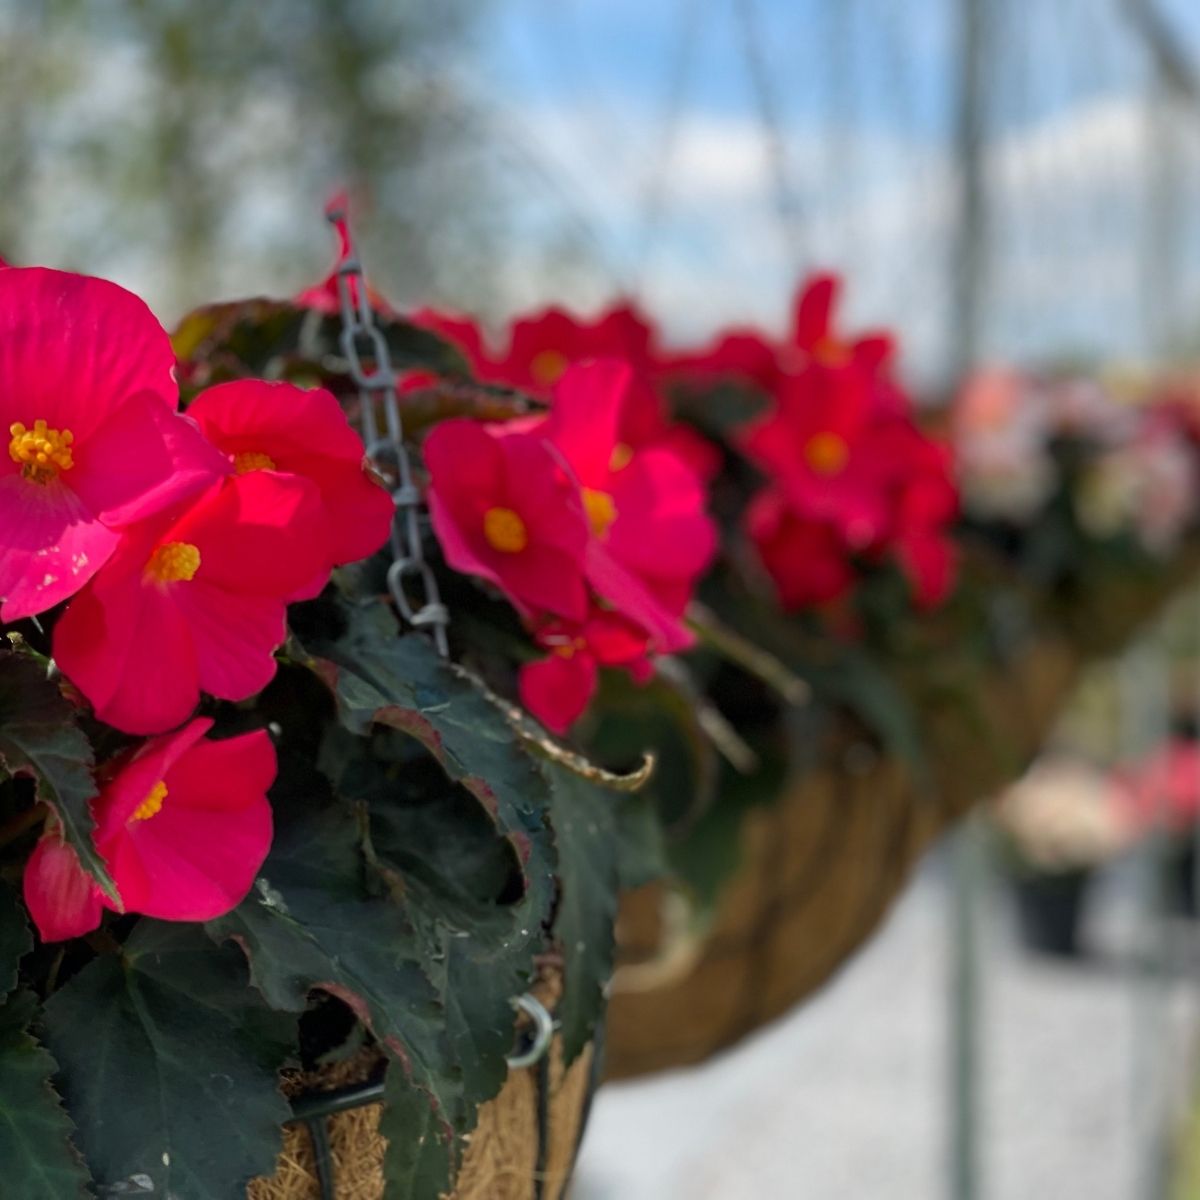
x: 819, y: 870
x: 523, y: 1147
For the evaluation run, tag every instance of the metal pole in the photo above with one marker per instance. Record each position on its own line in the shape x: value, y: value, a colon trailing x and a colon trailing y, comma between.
x: 969, y: 882
x: 1144, y: 723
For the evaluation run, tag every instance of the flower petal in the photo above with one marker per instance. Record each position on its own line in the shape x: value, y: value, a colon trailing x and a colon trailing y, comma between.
x: 50, y: 547
x: 73, y: 349
x: 557, y: 689
x: 141, y: 460
x: 61, y: 896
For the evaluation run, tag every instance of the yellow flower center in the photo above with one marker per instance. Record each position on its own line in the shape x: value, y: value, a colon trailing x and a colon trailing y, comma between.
x: 173, y: 562
x: 41, y: 452
x: 831, y: 353
x: 152, y: 803
x: 252, y: 460
x: 600, y: 509
x: 505, y: 531
x: 622, y: 456
x: 826, y: 453
x: 547, y: 367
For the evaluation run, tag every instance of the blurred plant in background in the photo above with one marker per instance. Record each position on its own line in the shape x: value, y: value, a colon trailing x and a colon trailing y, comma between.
x: 189, y: 151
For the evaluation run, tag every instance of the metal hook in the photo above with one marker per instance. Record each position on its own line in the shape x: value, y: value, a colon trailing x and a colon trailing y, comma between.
x: 543, y: 1033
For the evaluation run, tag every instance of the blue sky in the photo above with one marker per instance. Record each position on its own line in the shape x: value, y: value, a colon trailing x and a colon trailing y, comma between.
x: 864, y: 90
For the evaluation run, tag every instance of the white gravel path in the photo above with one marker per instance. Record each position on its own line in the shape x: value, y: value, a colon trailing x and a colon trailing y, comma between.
x: 846, y: 1098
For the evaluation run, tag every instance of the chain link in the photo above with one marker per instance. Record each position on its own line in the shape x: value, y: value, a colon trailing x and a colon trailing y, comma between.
x: 386, y: 449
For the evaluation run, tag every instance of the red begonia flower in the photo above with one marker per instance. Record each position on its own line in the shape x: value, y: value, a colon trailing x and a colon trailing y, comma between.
x: 651, y: 538
x: 280, y: 427
x: 822, y: 446
x: 503, y: 509
x: 183, y: 825
x: 193, y: 603
x: 557, y: 689
x: 813, y: 329
x: 61, y: 896
x: 806, y: 559
x: 87, y: 401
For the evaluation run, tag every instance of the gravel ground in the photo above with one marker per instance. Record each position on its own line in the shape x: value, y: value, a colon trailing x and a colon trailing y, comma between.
x: 846, y: 1099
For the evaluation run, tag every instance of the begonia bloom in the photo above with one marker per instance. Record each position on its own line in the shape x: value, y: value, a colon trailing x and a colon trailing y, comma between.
x: 281, y: 427
x: 193, y: 603
x: 183, y: 825
x: 651, y: 538
x: 87, y: 402
x: 558, y: 688
x: 806, y: 559
x: 503, y: 509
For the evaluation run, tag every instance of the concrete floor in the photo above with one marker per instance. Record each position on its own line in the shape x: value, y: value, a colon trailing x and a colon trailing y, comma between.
x: 846, y: 1099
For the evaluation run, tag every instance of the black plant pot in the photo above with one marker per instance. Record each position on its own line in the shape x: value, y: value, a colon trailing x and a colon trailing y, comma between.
x: 1049, y: 911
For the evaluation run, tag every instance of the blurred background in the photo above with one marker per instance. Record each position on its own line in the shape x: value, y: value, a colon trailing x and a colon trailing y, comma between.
x: 998, y: 179
x: 696, y: 153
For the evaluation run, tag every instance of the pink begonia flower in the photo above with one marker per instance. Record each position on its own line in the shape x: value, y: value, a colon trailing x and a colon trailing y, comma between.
x: 557, y: 689
x: 504, y: 509
x: 184, y: 826
x: 87, y: 402
x: 280, y: 427
x: 651, y: 538
x: 1001, y: 428
x: 193, y: 603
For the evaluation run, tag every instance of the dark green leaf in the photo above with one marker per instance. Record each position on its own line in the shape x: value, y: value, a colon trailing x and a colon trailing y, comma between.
x: 39, y: 739
x: 584, y: 828
x: 15, y: 939
x: 37, y: 1158
x: 400, y: 682
x: 313, y: 925
x: 417, y: 1164
x: 168, y: 1064
x: 478, y: 950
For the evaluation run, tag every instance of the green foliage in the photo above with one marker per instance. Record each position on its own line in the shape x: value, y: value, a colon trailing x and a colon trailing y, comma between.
x: 15, y: 939
x: 37, y: 1158
x: 584, y: 824
x: 168, y: 1065
x: 40, y: 740
x: 275, y: 339
x: 401, y: 683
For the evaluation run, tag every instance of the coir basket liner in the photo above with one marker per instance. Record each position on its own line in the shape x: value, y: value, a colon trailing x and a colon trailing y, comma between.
x: 523, y: 1147
x: 818, y: 871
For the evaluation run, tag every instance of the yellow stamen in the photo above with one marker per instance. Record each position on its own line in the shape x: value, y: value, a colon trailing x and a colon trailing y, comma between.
x: 152, y: 803
x: 252, y: 460
x: 173, y: 562
x: 826, y: 453
x: 600, y: 509
x: 831, y: 353
x: 622, y: 456
x: 547, y: 367
x: 569, y: 648
x: 41, y: 452
x: 505, y: 531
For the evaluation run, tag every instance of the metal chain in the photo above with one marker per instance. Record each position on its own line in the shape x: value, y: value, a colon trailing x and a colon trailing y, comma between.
x: 359, y: 330
x: 386, y: 452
